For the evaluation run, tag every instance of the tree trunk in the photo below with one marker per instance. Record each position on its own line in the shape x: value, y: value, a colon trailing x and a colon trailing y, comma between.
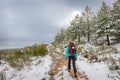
x: 79, y: 38
x: 108, y: 40
x: 88, y: 34
x: 88, y: 37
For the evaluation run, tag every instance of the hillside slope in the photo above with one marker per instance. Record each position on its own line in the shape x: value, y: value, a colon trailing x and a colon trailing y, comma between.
x: 54, y: 67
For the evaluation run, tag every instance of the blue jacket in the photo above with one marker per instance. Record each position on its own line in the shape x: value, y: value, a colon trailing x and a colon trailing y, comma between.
x: 67, y: 53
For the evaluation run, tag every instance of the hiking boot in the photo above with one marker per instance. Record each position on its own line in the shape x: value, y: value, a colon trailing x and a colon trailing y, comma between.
x: 68, y: 70
x: 75, y: 75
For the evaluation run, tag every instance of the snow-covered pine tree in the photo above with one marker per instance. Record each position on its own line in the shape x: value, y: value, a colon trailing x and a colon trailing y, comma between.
x: 94, y: 28
x: 61, y: 36
x: 116, y: 19
x: 74, y: 28
x: 104, y: 23
x: 87, y: 16
x: 81, y: 27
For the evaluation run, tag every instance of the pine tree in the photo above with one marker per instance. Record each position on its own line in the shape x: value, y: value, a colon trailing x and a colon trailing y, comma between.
x: 104, y: 22
x: 61, y: 36
x: 87, y: 16
x: 81, y: 30
x: 116, y: 19
x: 94, y: 28
x: 74, y: 28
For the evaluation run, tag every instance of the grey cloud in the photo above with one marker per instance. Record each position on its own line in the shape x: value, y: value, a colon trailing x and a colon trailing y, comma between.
x: 26, y: 22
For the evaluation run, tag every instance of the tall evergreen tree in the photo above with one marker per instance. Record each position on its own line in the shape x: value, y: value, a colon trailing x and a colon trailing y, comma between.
x: 104, y: 22
x: 87, y: 16
x: 81, y: 30
x: 61, y: 36
x: 74, y: 24
x: 116, y: 19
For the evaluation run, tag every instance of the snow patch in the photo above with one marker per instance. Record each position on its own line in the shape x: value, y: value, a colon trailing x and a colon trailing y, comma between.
x: 32, y: 72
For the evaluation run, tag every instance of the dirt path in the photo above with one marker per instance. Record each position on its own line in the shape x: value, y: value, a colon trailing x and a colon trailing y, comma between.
x: 58, y: 62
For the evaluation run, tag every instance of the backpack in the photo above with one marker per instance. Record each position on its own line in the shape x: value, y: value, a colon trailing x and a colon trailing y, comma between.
x: 72, y: 48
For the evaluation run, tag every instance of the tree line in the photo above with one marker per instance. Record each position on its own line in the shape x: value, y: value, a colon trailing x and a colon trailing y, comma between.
x: 98, y: 28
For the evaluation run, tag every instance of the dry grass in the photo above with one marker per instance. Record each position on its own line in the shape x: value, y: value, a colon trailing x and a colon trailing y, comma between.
x: 18, y: 58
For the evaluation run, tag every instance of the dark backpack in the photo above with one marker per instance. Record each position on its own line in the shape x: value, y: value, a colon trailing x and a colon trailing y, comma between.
x: 72, y: 48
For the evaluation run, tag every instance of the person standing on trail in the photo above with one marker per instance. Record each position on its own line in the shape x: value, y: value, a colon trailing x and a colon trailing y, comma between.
x: 71, y: 54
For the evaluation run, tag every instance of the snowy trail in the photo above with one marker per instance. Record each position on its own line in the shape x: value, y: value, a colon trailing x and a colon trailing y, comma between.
x: 59, y: 68
x: 86, y: 70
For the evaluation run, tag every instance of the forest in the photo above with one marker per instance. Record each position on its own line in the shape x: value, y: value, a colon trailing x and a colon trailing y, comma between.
x: 101, y: 27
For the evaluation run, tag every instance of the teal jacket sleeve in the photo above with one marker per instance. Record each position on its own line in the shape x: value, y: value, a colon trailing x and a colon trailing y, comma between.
x: 67, y: 51
x: 76, y: 55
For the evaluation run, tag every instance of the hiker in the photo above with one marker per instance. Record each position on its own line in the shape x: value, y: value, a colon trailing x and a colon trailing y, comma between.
x: 71, y: 54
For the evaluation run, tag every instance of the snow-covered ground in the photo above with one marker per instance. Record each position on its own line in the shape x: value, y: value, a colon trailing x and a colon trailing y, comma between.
x: 38, y: 71
x: 33, y: 72
x: 95, y: 71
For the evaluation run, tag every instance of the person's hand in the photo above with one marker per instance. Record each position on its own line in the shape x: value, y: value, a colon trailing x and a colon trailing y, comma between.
x: 75, y: 59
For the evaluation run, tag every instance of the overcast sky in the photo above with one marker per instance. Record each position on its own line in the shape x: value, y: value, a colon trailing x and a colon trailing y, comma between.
x: 26, y: 22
